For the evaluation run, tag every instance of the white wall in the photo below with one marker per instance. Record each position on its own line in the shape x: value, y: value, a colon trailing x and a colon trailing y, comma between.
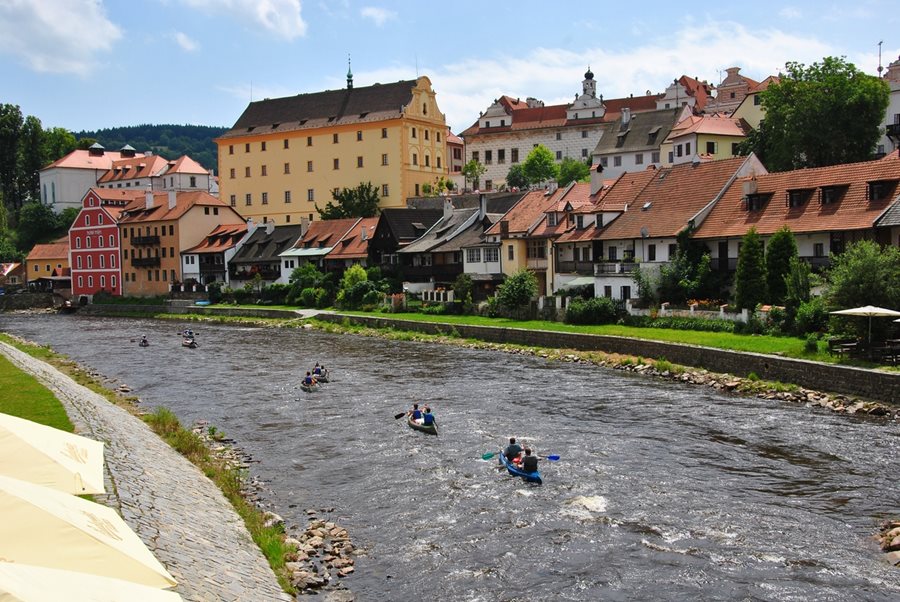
x: 67, y: 185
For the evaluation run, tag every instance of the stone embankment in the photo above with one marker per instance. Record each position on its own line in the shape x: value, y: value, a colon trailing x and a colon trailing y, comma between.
x: 889, y: 541
x: 323, y: 552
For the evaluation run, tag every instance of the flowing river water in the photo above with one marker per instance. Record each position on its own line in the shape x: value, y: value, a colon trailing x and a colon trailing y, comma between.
x: 662, y: 492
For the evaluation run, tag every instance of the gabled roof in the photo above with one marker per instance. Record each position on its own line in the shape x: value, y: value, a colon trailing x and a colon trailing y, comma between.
x: 325, y: 233
x: 222, y: 238
x: 406, y: 225
x: 715, y: 125
x: 673, y: 197
x: 134, y: 167
x: 850, y: 211
x: 320, y: 109
x: 82, y: 159
x: 7, y: 269
x: 524, y: 214
x: 644, y: 131
x: 264, y: 247
x: 186, y: 165
x: 443, y: 230
x: 58, y: 249
x: 355, y: 243
x: 699, y: 90
x: 137, y: 211
x: 114, y: 200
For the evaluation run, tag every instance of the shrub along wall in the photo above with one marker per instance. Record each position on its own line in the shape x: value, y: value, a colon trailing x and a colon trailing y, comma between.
x: 870, y: 384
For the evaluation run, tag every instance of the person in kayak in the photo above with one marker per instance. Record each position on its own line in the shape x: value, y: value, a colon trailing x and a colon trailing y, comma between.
x: 416, y: 413
x: 529, y: 462
x: 427, y: 417
x: 309, y: 380
x: 317, y: 370
x: 512, y: 450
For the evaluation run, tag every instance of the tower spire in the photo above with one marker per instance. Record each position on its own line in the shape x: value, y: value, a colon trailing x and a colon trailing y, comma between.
x: 349, y: 74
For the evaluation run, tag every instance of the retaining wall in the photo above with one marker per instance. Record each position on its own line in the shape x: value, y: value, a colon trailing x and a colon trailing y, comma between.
x: 869, y: 384
x: 103, y: 309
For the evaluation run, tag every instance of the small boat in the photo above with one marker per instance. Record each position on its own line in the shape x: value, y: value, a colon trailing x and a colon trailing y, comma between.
x: 531, y: 477
x: 189, y: 343
x: 431, y: 429
x: 144, y: 343
x: 309, y: 388
x: 67, y: 308
x: 321, y: 378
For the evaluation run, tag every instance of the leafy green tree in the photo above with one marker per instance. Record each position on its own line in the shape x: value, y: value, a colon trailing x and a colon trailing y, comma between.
x: 750, y: 278
x: 865, y: 274
x: 65, y: 219
x: 797, y: 285
x: 11, y: 123
x: 32, y: 158
x: 781, y: 249
x: 833, y: 92
x: 689, y: 274
x: 517, y: 291
x: 8, y: 250
x: 462, y: 287
x: 473, y: 170
x: 37, y: 223
x: 58, y: 142
x: 516, y: 177
x: 361, y: 201
x: 356, y: 289
x: 540, y: 166
x: 573, y: 170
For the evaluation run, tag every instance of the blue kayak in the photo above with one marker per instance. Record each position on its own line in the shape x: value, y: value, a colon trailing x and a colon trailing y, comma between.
x: 531, y: 477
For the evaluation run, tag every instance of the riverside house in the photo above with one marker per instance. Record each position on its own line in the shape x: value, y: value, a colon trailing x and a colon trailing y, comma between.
x: 317, y: 241
x: 260, y: 253
x: 207, y: 261
x: 47, y: 265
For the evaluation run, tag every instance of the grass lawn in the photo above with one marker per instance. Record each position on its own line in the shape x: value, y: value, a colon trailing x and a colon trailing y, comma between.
x: 25, y: 397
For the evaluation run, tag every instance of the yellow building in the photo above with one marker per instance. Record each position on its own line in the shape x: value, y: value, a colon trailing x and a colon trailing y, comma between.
x: 48, y: 261
x: 705, y: 138
x: 750, y: 109
x: 284, y: 156
x: 155, y: 230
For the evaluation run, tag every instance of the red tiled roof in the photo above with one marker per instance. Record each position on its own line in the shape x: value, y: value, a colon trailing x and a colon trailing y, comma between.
x: 852, y: 210
x: 222, y: 238
x: 185, y: 164
x: 352, y: 245
x: 82, y: 159
x: 672, y: 197
x: 525, y: 213
x: 325, y: 233
x: 132, y: 168
x: 52, y: 250
x: 709, y: 124
x: 136, y: 211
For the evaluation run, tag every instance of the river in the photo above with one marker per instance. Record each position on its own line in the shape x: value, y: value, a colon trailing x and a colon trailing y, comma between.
x: 663, y: 491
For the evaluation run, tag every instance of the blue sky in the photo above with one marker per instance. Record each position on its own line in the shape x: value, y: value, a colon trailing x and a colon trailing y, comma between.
x: 89, y: 64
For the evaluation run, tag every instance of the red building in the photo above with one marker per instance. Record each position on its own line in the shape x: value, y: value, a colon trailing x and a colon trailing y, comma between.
x: 94, y: 249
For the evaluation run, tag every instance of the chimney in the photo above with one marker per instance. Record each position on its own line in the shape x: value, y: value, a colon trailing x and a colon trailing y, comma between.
x: 304, y: 226
x: 504, y: 228
x: 482, y: 206
x: 448, y: 208
x: 626, y: 115
x: 364, y: 234
x: 149, y: 200
x: 270, y: 227
x: 172, y: 200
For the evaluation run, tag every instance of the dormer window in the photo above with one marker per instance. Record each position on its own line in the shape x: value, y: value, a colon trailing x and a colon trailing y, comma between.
x: 878, y: 191
x: 832, y: 194
x: 797, y: 198
x: 552, y: 219
x: 756, y: 202
x: 487, y: 124
x: 502, y: 122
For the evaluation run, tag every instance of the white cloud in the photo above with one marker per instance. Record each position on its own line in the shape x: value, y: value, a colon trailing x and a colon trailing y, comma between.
x: 281, y: 17
x: 378, y: 15
x: 790, y: 12
x: 186, y: 43
x: 56, y: 36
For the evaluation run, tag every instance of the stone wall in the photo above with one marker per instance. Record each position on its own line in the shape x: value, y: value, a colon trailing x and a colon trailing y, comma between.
x: 870, y: 384
x: 25, y: 301
x: 101, y: 309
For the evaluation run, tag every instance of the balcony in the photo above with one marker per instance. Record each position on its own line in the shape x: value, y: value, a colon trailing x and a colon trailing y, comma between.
x: 145, y: 262
x: 893, y: 131
x: 585, y: 268
x: 610, y: 267
x: 536, y: 263
x: 817, y: 263
x: 145, y: 240
x: 723, y: 264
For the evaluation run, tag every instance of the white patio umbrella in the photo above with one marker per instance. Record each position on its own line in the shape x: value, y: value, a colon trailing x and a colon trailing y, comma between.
x: 869, y: 311
x: 29, y: 583
x: 47, y: 456
x: 44, y: 527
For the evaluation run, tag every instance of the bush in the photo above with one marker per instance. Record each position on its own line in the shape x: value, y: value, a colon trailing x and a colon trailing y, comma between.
x: 812, y: 316
x: 308, y: 297
x: 274, y: 294
x: 678, y: 323
x: 323, y: 299
x: 812, y: 343
x: 434, y: 309
x: 775, y: 320
x: 597, y: 310
x: 753, y: 325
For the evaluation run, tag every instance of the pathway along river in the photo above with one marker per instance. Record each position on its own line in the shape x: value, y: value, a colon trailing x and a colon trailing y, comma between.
x: 663, y: 492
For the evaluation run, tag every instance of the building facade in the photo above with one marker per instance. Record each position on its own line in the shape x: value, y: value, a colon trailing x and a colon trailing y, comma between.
x: 286, y: 156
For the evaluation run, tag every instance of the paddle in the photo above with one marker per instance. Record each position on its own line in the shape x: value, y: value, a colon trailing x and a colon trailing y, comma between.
x: 399, y: 416
x: 489, y: 455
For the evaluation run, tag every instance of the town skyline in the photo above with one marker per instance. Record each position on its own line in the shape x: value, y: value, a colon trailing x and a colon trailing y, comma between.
x: 201, y: 62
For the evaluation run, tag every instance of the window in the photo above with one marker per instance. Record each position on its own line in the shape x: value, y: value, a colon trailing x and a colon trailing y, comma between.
x: 488, y: 185
x: 262, y: 146
x: 473, y: 255
x: 818, y: 249
x: 112, y: 260
x: 426, y: 134
x: 756, y: 100
x: 384, y: 132
x: 639, y: 158
x: 287, y: 168
x: 80, y: 281
x: 612, y: 253
x: 487, y: 124
x: 492, y: 255
x: 536, y: 249
x: 607, y: 290
x: 654, y: 157
x: 87, y: 241
x: 617, y: 161
x: 415, y: 159
x: 604, y: 161
x: 233, y: 200
x: 230, y: 149
x: 287, y: 143
x: 231, y: 173
x: 427, y: 160
x: 311, y: 194
x: 334, y: 138
x: 248, y: 199
x: 679, y: 151
x: 584, y: 134
x: 626, y: 292
x: 384, y: 159
x: 112, y: 281
x: 359, y: 135
x: 337, y: 164
x: 437, y: 136
x: 309, y: 166
x: 552, y: 219
x: 87, y: 220
x: 474, y: 155
x: 264, y: 171
x: 265, y: 198
x: 439, y: 162
x: 510, y: 252
x: 796, y: 198
x: 359, y: 161
x: 309, y: 141
x: 671, y: 157
x: 112, y: 240
x: 755, y: 202
x: 584, y: 153
x: 711, y: 148
x: 103, y: 261
x: 414, y: 132
x: 77, y: 242
x: 90, y: 263
x: 417, y: 190
x: 735, y: 149
x: 687, y: 148
x: 247, y: 172
x: 559, y: 135
x: 384, y: 190
x: 830, y: 195
x: 247, y: 148
x: 488, y: 157
x: 878, y: 191
x: 579, y: 222
x: 559, y: 155
x: 514, y: 155
x: 77, y: 262
x: 90, y: 281
x: 651, y: 252
x: 673, y: 250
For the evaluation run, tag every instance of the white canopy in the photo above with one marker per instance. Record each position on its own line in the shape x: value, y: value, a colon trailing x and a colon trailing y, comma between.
x: 29, y: 583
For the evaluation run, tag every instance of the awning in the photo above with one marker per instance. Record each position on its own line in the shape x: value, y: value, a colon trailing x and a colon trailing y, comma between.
x: 310, y: 252
x: 579, y: 281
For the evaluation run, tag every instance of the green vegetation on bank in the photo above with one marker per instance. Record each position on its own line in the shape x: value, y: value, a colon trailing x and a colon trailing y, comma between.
x: 25, y: 397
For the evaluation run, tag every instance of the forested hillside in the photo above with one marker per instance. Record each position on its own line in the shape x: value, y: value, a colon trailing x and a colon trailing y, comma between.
x: 170, y: 141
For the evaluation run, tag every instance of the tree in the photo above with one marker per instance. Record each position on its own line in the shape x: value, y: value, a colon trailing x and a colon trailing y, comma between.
x: 689, y: 274
x: 540, y: 166
x: 865, y: 274
x: 750, y: 278
x: 11, y: 123
x: 361, y: 201
x: 32, y: 158
x: 573, y: 170
x: 65, y: 219
x: 37, y: 223
x: 517, y: 291
x: 781, y: 248
x: 515, y: 178
x: 473, y: 170
x: 797, y: 288
x: 797, y: 107
x: 58, y: 142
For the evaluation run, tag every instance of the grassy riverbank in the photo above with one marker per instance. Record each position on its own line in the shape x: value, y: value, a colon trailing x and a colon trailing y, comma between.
x: 24, y: 396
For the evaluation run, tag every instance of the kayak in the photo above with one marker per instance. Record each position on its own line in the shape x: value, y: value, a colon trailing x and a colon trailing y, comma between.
x: 189, y: 343
x: 322, y: 378
x: 309, y: 388
x: 430, y: 429
x: 531, y: 477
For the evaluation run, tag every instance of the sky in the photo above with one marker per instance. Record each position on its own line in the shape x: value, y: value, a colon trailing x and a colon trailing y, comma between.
x: 92, y: 64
